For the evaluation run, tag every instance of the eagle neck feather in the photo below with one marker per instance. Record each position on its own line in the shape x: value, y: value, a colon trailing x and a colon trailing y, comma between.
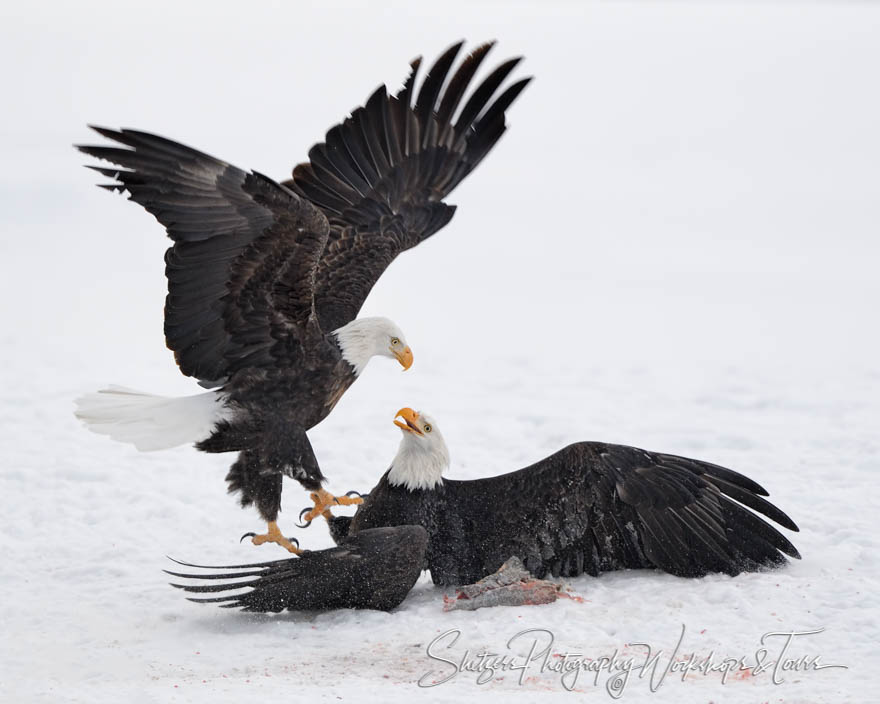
x: 356, y: 340
x: 417, y: 466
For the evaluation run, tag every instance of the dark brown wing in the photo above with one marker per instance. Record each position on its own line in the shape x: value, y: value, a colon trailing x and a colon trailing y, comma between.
x: 241, y: 271
x: 381, y: 175
x: 374, y: 569
x: 593, y: 507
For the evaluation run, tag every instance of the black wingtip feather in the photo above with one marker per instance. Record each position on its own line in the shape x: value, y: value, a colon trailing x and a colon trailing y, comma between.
x: 483, y: 94
x: 107, y: 132
x: 754, y: 502
x: 222, y: 575
x: 216, y: 600
x: 403, y: 150
x: 391, y: 164
x: 251, y: 565
x: 109, y: 173
x: 433, y: 83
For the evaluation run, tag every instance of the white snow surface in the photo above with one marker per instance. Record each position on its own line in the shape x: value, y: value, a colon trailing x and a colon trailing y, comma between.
x: 674, y: 246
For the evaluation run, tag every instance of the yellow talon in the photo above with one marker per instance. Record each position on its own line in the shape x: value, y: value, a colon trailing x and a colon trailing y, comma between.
x: 324, y: 500
x: 273, y: 535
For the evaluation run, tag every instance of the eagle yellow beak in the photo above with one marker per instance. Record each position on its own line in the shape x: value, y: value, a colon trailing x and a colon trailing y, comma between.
x: 405, y: 358
x: 410, y: 417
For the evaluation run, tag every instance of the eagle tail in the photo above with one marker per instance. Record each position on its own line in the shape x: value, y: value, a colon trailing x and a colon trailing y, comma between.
x: 151, y: 422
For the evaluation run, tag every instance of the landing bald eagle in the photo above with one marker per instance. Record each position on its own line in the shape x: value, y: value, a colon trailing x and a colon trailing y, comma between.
x: 591, y: 507
x: 265, y: 280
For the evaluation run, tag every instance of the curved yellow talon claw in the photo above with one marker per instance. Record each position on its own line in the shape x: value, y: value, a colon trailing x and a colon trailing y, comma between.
x: 273, y: 535
x: 323, y: 500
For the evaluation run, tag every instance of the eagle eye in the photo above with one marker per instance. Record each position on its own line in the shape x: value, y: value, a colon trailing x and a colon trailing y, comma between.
x: 427, y: 428
x: 395, y: 340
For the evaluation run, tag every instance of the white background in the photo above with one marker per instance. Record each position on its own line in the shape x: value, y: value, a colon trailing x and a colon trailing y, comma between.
x: 674, y: 246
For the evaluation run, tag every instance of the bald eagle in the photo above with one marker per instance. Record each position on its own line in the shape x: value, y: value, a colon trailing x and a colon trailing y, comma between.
x: 265, y: 279
x: 590, y: 508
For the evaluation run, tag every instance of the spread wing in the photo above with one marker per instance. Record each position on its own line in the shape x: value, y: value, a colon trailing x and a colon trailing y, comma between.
x: 242, y: 268
x: 374, y: 569
x: 381, y: 175
x: 593, y: 507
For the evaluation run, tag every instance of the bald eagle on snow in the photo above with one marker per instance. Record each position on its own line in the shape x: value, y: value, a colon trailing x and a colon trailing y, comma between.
x: 265, y: 279
x: 591, y: 507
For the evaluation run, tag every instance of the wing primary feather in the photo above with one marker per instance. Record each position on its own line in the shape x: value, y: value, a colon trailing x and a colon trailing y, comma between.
x: 748, y: 520
x: 504, y: 101
x: 484, y: 92
x: 728, y: 475
x: 460, y: 81
x: 338, y: 154
x: 404, y: 95
x: 251, y: 565
x: 225, y: 575
x: 208, y: 588
x: 431, y: 86
x: 373, y: 126
x: 752, y: 501
x: 406, y: 118
x: 216, y: 599
x: 392, y: 138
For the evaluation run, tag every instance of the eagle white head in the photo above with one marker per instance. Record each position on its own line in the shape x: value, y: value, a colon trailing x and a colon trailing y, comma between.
x: 423, y: 456
x: 364, y: 338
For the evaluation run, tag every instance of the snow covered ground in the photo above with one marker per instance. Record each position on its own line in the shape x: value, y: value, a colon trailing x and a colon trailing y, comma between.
x: 674, y: 247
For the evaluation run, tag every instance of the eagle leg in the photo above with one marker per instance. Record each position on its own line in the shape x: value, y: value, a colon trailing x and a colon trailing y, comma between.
x: 324, y: 500
x: 273, y: 535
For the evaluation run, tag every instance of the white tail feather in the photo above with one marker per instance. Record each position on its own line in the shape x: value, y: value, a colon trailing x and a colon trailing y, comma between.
x: 151, y: 422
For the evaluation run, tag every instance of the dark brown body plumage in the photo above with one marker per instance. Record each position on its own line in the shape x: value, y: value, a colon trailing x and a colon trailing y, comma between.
x: 274, y: 445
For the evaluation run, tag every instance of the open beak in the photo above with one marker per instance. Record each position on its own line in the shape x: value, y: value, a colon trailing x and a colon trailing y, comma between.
x: 408, y: 424
x: 405, y: 358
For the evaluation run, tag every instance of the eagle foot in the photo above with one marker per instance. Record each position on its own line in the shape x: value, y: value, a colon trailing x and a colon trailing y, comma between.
x: 324, y: 501
x: 273, y: 535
